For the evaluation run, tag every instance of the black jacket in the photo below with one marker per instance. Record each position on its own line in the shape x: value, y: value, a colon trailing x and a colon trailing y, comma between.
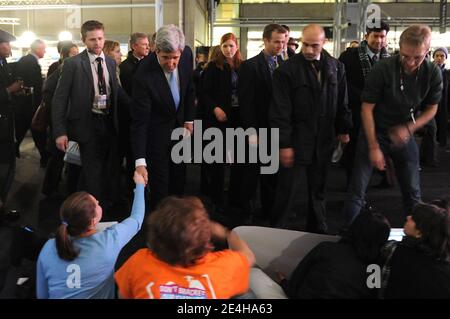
x: 414, y: 275
x: 29, y: 70
x: 153, y: 113
x: 355, y: 80
x: 443, y: 110
x: 7, y: 144
x: 216, y: 92
x: 74, y: 96
x: 309, y: 116
x: 255, y: 92
x: 330, y: 271
x: 127, y: 69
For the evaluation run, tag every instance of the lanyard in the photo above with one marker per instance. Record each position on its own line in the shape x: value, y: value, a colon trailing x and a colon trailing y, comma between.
x: 402, y: 88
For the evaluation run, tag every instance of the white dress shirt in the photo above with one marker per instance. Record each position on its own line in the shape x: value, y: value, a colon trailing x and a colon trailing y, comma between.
x: 94, y: 68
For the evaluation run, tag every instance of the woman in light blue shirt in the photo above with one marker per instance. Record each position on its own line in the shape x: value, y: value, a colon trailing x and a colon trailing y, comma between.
x: 79, y: 262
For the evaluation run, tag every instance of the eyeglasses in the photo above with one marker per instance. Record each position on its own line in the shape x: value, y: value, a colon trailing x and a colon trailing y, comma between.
x: 416, y: 59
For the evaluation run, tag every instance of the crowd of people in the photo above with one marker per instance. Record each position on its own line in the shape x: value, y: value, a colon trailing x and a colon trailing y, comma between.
x: 118, y: 118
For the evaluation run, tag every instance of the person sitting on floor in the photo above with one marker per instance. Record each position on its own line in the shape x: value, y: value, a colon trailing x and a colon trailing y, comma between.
x: 180, y: 262
x: 419, y: 265
x: 79, y: 262
x: 338, y: 270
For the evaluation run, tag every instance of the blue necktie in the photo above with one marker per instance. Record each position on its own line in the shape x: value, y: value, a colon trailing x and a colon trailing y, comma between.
x: 173, y: 83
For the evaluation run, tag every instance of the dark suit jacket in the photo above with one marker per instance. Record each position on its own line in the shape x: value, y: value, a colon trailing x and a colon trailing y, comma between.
x: 74, y: 95
x: 29, y: 70
x: 309, y: 116
x: 255, y: 92
x: 153, y: 113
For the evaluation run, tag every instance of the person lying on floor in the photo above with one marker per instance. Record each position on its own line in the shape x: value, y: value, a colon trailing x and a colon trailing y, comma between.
x: 419, y: 265
x: 338, y: 270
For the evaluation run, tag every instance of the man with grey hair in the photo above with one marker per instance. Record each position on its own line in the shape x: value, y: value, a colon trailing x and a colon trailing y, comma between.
x: 394, y: 90
x: 139, y: 49
x: 29, y: 70
x: 163, y: 95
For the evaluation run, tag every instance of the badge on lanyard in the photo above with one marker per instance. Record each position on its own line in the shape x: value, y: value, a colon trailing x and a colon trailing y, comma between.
x: 101, y: 101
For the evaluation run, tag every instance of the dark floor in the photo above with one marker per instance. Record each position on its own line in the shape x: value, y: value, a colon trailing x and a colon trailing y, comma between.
x: 42, y: 213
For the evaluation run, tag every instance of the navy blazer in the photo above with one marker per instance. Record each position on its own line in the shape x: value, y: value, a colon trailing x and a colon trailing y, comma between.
x: 153, y: 112
x: 74, y: 96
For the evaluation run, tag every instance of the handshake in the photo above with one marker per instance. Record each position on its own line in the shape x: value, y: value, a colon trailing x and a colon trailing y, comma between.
x: 141, y: 175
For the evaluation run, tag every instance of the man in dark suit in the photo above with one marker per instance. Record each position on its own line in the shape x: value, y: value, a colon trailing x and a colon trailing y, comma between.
x: 29, y: 70
x: 139, y: 46
x: 358, y: 63
x: 310, y: 109
x: 8, y: 87
x: 163, y: 97
x: 84, y: 109
x: 255, y: 95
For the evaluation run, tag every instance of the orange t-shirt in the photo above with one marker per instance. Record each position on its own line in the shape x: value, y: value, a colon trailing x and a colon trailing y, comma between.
x: 221, y: 275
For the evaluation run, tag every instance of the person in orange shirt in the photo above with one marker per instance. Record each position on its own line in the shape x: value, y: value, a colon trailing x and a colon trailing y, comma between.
x: 181, y: 263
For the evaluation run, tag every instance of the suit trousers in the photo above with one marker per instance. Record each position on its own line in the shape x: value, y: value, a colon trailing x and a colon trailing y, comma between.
x: 289, y: 192
x: 100, y: 161
x: 165, y: 178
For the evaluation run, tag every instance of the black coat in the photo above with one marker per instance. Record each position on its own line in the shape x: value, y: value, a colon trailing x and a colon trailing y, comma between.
x: 127, y: 69
x: 216, y: 92
x: 74, y: 96
x: 330, y: 271
x: 309, y: 116
x: 153, y: 113
x: 29, y: 70
x: 414, y: 275
x: 7, y: 145
x: 443, y: 110
x: 355, y: 80
x: 255, y: 92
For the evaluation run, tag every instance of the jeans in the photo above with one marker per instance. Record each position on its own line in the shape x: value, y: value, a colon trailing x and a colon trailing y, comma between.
x: 406, y: 164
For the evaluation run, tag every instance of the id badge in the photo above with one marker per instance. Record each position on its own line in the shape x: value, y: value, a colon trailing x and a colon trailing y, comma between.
x: 101, y: 102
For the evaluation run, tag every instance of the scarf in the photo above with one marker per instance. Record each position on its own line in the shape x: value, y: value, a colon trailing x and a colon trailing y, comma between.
x: 364, y: 57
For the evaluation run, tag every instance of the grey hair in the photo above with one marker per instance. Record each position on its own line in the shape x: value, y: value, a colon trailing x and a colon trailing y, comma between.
x: 136, y: 36
x: 170, y: 39
x: 36, y: 44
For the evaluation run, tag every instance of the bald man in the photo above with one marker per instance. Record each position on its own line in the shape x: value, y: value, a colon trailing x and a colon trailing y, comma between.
x: 309, y: 106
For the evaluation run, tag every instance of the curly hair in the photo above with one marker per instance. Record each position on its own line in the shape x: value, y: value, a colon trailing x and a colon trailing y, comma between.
x: 179, y: 231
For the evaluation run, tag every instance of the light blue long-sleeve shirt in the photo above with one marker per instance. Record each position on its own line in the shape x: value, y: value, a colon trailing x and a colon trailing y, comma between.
x: 91, y: 274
